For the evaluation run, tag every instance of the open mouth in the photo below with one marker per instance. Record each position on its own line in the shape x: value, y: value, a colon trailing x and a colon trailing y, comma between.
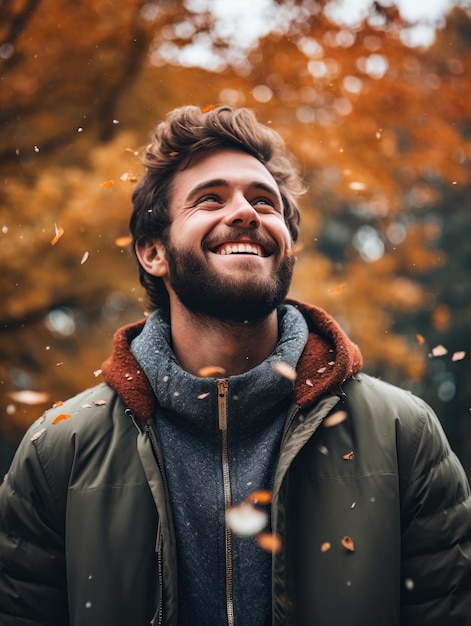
x: 240, y: 248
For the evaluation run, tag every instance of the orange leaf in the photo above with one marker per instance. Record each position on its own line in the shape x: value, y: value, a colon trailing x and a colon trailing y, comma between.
x: 349, y: 456
x: 122, y: 242
x: 326, y: 546
x: 107, y: 184
x: 262, y: 496
x: 59, y: 232
x: 340, y: 287
x: 210, y: 107
x: 420, y: 339
x: 211, y: 371
x: 173, y: 154
x: 269, y: 542
x: 348, y: 544
x: 61, y: 418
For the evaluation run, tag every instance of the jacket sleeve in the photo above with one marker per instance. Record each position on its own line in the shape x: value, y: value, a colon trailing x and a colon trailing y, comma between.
x: 32, y: 564
x: 436, y: 529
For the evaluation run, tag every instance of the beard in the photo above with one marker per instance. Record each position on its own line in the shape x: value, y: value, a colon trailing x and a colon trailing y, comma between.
x: 205, y: 292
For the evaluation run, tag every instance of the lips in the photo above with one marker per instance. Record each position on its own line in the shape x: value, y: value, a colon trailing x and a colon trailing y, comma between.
x: 239, y: 247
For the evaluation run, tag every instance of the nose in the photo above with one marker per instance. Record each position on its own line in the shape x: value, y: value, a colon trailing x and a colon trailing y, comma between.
x: 241, y: 213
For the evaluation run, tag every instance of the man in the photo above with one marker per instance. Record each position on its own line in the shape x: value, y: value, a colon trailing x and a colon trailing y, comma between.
x: 145, y: 499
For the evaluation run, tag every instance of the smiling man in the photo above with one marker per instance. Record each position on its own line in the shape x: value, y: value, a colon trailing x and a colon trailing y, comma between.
x: 235, y: 468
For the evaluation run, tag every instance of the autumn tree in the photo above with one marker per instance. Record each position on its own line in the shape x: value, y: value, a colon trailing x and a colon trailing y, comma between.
x: 381, y: 130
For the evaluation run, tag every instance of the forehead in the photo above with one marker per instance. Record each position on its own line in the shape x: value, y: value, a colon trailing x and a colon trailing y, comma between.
x: 233, y: 166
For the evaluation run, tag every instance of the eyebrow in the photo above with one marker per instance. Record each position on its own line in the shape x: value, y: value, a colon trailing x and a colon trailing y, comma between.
x: 221, y: 182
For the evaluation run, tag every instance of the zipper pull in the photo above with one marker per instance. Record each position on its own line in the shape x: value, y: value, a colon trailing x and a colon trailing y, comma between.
x: 223, y: 386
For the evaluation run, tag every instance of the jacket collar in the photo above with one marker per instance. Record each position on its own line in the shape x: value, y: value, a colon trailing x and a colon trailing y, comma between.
x: 328, y: 360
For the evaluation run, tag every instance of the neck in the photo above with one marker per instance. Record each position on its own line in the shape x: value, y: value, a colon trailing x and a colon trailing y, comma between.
x: 234, y: 348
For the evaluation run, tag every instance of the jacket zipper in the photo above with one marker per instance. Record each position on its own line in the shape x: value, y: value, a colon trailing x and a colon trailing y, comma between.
x: 156, y: 453
x: 223, y: 386
x: 155, y: 449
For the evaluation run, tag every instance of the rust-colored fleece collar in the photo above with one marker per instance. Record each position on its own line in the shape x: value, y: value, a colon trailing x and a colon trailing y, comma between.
x: 328, y: 360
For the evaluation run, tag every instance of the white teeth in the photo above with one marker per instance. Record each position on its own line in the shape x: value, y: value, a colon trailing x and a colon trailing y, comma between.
x: 240, y: 248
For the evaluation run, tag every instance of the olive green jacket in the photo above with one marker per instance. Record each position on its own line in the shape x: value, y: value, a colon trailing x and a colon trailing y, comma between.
x: 372, y: 507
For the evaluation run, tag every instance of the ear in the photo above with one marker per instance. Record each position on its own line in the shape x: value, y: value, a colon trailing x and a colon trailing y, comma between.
x: 151, y: 255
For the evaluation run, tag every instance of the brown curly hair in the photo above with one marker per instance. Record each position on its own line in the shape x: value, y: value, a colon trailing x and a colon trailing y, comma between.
x: 186, y: 132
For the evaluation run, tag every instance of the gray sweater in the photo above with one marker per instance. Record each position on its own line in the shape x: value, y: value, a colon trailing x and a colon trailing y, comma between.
x: 187, y: 423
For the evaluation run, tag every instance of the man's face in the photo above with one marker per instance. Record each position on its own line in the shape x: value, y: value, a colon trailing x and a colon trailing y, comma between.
x: 228, y: 250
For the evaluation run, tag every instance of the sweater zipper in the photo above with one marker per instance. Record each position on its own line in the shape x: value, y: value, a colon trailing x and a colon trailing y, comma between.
x: 222, y: 387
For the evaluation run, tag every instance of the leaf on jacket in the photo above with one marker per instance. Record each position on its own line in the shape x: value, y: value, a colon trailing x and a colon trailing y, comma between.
x: 335, y: 418
x: 99, y: 402
x: 38, y: 434
x: 245, y: 519
x: 269, y: 542
x: 348, y: 544
x: 349, y: 456
x: 60, y: 418
x: 261, y: 496
x: 211, y: 371
x: 326, y: 546
x: 202, y: 396
x: 285, y: 370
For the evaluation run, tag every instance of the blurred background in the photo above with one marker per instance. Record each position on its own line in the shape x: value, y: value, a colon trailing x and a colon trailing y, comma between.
x: 373, y: 99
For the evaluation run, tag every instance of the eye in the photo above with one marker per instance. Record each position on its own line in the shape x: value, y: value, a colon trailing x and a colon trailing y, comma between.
x: 209, y: 198
x: 265, y: 203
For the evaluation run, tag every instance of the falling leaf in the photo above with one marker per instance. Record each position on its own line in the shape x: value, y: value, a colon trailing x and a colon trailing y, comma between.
x: 335, y: 418
x: 357, y: 185
x: 132, y: 151
x: 208, y: 108
x: 296, y: 249
x: 348, y: 544
x: 38, y: 434
x: 285, y: 370
x: 107, y: 184
x: 60, y: 418
x: 211, y: 371
x: 326, y: 546
x: 269, y: 542
x: 349, y: 456
x: 122, y: 242
x: 340, y: 287
x: 420, y: 338
x: 84, y: 258
x: 27, y: 396
x: 128, y: 177
x: 439, y: 351
x: 59, y: 232
x: 262, y: 496
x: 458, y: 356
x: 97, y: 373
x: 245, y: 519
x: 409, y: 584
